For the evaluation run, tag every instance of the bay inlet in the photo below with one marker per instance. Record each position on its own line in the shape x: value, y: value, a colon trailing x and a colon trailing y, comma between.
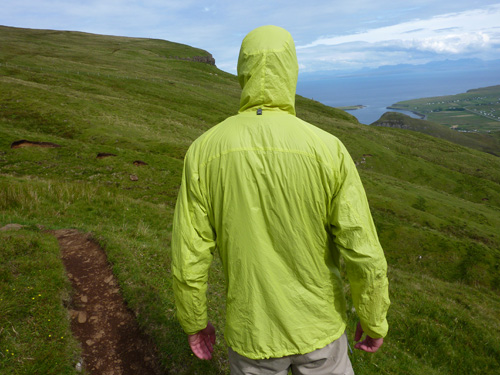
x: 368, y: 96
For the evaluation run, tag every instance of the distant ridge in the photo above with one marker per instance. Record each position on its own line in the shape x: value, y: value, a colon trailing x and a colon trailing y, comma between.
x: 462, y: 65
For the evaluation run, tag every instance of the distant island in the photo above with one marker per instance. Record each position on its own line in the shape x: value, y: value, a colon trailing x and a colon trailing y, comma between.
x: 352, y: 107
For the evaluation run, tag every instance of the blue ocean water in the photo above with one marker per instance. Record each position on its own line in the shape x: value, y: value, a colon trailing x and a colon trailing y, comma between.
x: 377, y: 92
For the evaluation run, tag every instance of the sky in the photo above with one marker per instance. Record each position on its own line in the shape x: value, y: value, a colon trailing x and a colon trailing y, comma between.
x: 329, y: 35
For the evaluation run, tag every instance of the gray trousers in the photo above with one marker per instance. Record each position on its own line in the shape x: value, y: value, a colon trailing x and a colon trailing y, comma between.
x: 330, y: 360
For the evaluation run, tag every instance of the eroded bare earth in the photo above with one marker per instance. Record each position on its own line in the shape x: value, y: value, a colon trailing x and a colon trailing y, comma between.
x: 111, y: 340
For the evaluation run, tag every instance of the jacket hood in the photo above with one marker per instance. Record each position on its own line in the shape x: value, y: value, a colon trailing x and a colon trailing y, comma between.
x: 268, y: 70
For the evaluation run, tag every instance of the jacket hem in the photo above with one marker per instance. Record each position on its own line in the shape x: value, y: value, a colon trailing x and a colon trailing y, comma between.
x: 285, y: 353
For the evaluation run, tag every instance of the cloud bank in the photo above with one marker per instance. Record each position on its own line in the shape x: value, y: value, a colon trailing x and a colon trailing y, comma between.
x: 471, y: 33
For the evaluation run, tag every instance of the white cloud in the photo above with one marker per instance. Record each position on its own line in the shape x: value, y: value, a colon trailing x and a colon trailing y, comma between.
x: 470, y: 22
x: 471, y: 33
x: 452, y: 43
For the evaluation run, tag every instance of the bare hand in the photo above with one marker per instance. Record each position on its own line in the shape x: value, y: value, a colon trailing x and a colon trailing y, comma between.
x: 202, y: 343
x: 369, y: 344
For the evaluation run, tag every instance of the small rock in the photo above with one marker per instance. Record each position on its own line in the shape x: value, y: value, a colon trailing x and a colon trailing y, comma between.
x: 89, y: 342
x: 133, y: 177
x: 12, y: 227
x: 84, y: 299
x: 82, y: 317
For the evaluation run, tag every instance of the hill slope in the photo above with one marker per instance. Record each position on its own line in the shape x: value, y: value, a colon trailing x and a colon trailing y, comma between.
x: 478, y: 141
x: 436, y: 204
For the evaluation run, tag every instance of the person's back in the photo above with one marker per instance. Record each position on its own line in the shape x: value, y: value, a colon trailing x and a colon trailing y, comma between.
x: 281, y: 200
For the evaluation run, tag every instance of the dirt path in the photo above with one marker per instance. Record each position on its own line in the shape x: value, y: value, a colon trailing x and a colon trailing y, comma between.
x: 110, y: 337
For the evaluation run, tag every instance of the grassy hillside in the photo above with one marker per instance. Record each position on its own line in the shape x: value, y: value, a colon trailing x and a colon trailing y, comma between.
x: 436, y: 204
x: 475, y: 110
x: 487, y: 142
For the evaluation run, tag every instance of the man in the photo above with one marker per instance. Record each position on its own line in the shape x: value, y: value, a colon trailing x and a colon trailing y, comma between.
x: 280, y: 200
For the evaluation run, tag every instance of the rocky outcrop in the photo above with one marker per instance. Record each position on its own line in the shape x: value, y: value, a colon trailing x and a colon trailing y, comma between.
x: 202, y: 59
x: 400, y: 121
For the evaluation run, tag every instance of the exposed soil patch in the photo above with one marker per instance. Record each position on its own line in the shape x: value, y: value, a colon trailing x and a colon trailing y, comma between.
x: 25, y: 143
x: 111, y: 340
x: 102, y: 155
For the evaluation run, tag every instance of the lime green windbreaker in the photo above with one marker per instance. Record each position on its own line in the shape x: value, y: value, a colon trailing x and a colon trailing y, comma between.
x: 281, y: 201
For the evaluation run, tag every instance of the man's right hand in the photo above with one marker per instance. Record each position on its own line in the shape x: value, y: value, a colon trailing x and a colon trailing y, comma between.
x: 202, y: 343
x: 369, y: 344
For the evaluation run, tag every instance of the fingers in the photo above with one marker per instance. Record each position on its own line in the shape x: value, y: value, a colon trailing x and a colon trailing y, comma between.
x: 369, y: 345
x: 200, y: 348
x: 208, y: 343
x: 363, y: 346
x: 202, y: 343
x: 209, y: 336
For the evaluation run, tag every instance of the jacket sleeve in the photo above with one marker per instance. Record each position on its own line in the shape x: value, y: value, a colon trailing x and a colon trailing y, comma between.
x: 355, y: 236
x: 193, y: 243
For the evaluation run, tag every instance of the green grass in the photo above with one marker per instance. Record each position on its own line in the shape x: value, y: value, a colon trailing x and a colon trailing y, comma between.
x: 35, y: 335
x: 435, y: 327
x: 440, y: 128
x: 436, y: 204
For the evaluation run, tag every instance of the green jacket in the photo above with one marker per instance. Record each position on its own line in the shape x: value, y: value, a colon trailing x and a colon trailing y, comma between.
x: 280, y: 200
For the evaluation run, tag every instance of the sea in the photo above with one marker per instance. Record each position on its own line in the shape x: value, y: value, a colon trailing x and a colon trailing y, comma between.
x: 376, y: 92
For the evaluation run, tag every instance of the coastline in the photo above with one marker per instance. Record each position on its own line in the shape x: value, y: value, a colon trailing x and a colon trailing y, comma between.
x: 352, y: 107
x: 421, y: 115
x: 391, y: 107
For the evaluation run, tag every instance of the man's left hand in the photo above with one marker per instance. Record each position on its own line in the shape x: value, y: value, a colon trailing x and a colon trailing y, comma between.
x: 369, y: 344
x: 202, y: 343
